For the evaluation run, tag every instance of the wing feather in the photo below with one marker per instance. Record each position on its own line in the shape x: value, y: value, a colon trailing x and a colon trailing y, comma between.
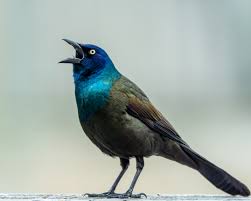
x: 151, y: 117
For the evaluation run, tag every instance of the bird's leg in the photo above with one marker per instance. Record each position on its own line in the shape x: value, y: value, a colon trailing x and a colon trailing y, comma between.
x: 128, y: 193
x: 124, y: 164
x: 139, y: 167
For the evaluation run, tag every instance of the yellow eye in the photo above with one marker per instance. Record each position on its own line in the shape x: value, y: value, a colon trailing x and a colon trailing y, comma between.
x: 92, y: 52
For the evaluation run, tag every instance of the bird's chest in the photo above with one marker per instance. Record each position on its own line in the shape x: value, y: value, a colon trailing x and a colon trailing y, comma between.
x: 91, y: 98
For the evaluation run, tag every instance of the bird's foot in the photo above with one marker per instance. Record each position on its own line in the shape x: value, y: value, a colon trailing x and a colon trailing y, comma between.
x: 115, y: 195
x: 126, y: 195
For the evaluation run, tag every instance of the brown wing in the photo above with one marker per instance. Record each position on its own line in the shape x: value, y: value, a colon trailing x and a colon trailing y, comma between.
x: 151, y: 117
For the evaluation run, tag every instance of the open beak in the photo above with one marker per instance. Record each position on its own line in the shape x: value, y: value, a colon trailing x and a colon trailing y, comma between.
x: 79, y: 52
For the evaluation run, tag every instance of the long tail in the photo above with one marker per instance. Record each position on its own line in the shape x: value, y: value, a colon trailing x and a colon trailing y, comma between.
x: 216, y: 175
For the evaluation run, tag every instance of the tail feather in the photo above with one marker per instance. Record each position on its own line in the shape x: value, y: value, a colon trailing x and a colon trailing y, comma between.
x: 218, y: 177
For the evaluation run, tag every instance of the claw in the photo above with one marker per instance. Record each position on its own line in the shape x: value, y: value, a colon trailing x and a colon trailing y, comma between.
x: 142, y: 194
x: 86, y: 194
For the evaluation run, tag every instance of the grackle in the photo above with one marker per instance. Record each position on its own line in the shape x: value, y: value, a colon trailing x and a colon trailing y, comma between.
x: 121, y: 121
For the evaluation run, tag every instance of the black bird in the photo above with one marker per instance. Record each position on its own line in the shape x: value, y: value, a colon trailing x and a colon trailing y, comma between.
x: 121, y: 121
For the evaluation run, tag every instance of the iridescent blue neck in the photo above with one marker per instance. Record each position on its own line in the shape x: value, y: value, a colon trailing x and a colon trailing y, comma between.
x: 92, y: 91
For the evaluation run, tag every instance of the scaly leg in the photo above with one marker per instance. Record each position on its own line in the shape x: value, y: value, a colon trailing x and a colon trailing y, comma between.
x: 128, y: 193
x: 124, y: 164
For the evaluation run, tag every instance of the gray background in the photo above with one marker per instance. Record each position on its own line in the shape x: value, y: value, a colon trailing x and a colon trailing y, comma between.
x: 192, y: 58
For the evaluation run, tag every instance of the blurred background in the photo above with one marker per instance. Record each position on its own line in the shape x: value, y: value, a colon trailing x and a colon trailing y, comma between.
x: 192, y: 58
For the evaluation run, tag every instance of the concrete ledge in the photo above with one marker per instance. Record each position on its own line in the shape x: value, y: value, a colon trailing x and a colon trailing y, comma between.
x: 158, y: 197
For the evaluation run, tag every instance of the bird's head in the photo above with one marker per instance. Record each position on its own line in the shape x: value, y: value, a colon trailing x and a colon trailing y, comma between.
x: 89, y: 59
